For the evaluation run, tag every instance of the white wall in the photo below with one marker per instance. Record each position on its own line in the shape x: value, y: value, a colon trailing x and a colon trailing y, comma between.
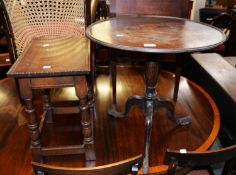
x: 197, y: 4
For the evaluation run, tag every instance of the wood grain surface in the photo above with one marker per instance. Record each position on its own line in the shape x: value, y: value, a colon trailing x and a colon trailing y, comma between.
x: 115, y: 139
x: 155, y: 34
x: 53, y: 56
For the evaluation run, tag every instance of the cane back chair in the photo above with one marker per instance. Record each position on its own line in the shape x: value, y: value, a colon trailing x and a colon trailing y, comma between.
x: 178, y: 8
x: 53, y: 52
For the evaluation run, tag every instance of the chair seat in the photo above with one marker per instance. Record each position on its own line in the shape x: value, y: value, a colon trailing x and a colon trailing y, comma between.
x: 53, y: 56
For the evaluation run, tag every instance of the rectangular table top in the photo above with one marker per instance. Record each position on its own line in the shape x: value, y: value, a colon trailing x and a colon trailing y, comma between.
x: 53, y: 56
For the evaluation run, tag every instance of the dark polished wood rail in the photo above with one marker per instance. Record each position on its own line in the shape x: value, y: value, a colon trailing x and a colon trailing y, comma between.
x: 115, y: 139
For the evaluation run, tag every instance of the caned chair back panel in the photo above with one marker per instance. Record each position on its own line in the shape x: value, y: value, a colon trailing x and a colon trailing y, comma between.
x: 176, y: 8
x: 36, y: 18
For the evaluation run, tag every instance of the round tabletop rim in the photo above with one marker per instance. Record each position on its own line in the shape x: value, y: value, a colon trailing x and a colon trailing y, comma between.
x: 150, y: 49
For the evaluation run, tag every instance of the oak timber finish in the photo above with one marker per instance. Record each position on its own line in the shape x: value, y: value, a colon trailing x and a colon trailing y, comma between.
x: 168, y: 34
x: 51, y: 52
x: 220, y: 70
x: 115, y: 139
x: 117, y: 168
x: 149, y: 7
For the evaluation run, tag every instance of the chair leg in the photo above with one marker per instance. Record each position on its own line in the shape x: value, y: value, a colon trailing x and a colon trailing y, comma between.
x: 229, y: 167
x: 113, y: 80
x: 91, y: 100
x: 179, y: 66
x: 18, y: 90
x: 37, y: 172
x: 27, y: 95
x: 177, y: 80
x: 90, y: 154
x: 82, y: 94
x: 47, y: 106
x: 172, y: 167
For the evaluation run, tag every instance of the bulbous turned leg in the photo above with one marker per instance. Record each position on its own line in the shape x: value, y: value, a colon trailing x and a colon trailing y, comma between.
x: 86, y: 120
x: 27, y: 96
x: 47, y: 106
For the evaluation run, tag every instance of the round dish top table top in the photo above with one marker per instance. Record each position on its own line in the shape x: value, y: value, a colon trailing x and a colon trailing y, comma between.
x: 155, y: 34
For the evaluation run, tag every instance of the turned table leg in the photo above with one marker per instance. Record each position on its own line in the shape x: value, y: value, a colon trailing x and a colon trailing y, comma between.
x: 82, y: 93
x: 150, y: 103
x: 47, y: 106
x: 151, y: 76
x: 27, y: 96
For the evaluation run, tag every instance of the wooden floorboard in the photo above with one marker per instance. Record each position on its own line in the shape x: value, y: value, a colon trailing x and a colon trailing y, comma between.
x: 115, y: 139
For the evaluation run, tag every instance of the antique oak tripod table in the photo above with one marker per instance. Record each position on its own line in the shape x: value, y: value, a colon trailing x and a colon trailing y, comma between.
x: 155, y: 36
